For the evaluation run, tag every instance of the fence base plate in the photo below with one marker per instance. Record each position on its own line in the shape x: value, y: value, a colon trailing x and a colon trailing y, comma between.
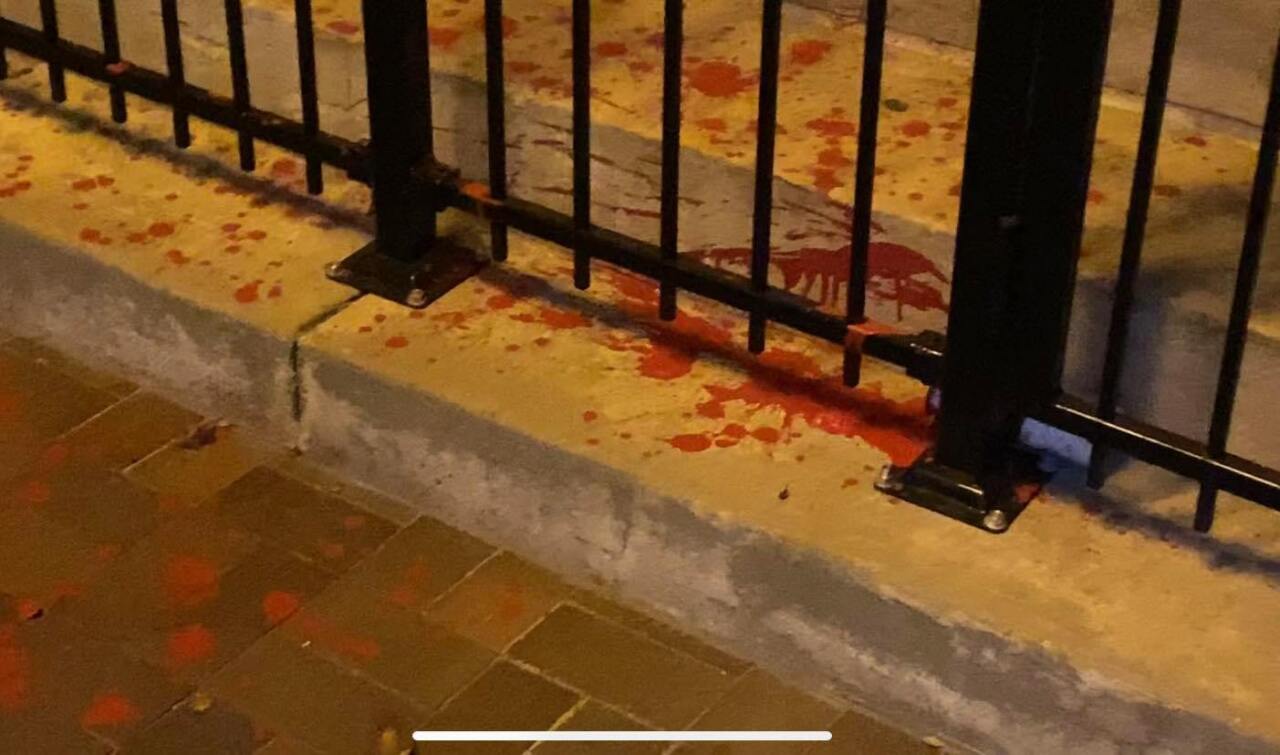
x: 413, y: 284
x: 991, y: 506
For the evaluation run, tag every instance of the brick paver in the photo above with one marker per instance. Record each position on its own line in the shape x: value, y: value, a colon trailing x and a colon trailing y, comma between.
x: 168, y: 587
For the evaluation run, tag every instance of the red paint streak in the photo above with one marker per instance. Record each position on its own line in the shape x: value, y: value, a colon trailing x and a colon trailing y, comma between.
x: 1196, y: 141
x: 501, y: 301
x: 109, y: 709
x: 230, y: 227
x: 177, y: 257
x: 1096, y: 197
x: 189, y: 646
x: 284, y: 168
x: 915, y: 128
x: 256, y: 235
x: 190, y: 581
x: 690, y: 443
x: 279, y: 605
x: 396, y: 342
x: 160, y: 230
x: 556, y: 319
x: 444, y: 37
x: 611, y: 49
x: 407, y: 592
x: 84, y: 184
x: 343, y: 27
x: 824, y: 180
x: 248, y: 293
x: 716, y: 78
x: 806, y: 52
x: 15, y: 671
x: 665, y: 363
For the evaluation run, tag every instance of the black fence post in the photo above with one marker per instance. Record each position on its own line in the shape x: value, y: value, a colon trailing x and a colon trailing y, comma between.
x: 406, y: 263
x: 1033, y: 117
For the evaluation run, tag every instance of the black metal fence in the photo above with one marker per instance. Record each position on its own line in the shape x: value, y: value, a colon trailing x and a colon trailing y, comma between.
x: 1037, y: 84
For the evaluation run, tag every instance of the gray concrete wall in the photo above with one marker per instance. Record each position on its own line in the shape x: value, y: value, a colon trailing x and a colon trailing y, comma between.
x: 1222, y: 64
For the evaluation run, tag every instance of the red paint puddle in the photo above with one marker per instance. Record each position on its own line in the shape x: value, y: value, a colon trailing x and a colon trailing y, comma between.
x: 15, y: 671
x: 189, y: 646
x: 806, y: 52
x: 407, y: 593
x: 190, y: 580
x: 336, y: 639
x: 109, y: 709
x: 690, y: 443
x: 716, y: 78
x: 279, y: 605
x: 248, y: 293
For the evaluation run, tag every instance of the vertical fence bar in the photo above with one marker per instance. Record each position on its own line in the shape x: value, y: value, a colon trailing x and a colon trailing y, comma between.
x: 177, y: 76
x: 111, y: 48
x: 496, y: 90
x: 672, y: 80
x: 865, y: 179
x: 239, y: 78
x: 1242, y: 301
x: 307, y: 89
x: 57, y: 76
x: 581, y: 138
x: 1037, y: 87
x: 1144, y: 174
x: 396, y: 59
x: 766, y: 135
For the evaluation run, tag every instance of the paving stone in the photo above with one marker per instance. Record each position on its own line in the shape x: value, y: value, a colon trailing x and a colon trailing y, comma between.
x: 78, y: 371
x: 856, y: 733
x: 192, y: 470
x: 592, y: 716
x: 199, y: 726
x: 32, y: 733
x: 303, y: 520
x: 110, y: 510
x: 758, y: 701
x: 41, y: 561
x: 425, y: 663
x: 283, y: 745
x: 129, y: 431
x: 68, y: 676
x: 499, y: 601
x: 659, y: 631
x: 416, y: 565
x: 305, y: 697
x: 622, y: 668
x: 505, y: 698
x: 299, y: 468
x: 37, y: 404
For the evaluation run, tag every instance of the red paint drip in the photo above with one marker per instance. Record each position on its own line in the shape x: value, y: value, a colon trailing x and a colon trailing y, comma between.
x: 109, y: 709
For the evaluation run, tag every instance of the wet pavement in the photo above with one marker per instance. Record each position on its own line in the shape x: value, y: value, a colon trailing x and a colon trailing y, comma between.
x: 168, y: 586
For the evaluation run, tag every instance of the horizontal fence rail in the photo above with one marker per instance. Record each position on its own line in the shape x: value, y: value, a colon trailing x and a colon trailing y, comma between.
x: 1032, y: 125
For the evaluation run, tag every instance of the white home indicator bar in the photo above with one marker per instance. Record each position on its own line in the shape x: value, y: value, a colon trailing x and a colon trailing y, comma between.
x: 622, y: 736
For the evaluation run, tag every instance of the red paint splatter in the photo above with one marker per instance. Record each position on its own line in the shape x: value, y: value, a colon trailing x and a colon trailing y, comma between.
x: 407, y: 592
x: 284, y: 168
x: 589, y: 416
x: 396, y: 342
x: 711, y: 124
x: 832, y: 128
x: 1196, y: 141
x: 947, y: 102
x: 766, y: 434
x: 806, y: 52
x: 160, y: 230
x: 279, y: 605
x: 275, y: 292
x: 336, y: 639
x: 343, y: 27
x: 28, y: 609
x: 248, y: 293
x: 611, y: 49
x: 717, y: 78
x: 690, y: 443
x: 832, y: 157
x: 190, y: 581
x: 177, y: 257
x: 1096, y: 197
x: 189, y: 646
x: 501, y: 301
x: 109, y: 709
x: 666, y: 363
x: 915, y: 128
x: 444, y: 37
x: 84, y: 184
